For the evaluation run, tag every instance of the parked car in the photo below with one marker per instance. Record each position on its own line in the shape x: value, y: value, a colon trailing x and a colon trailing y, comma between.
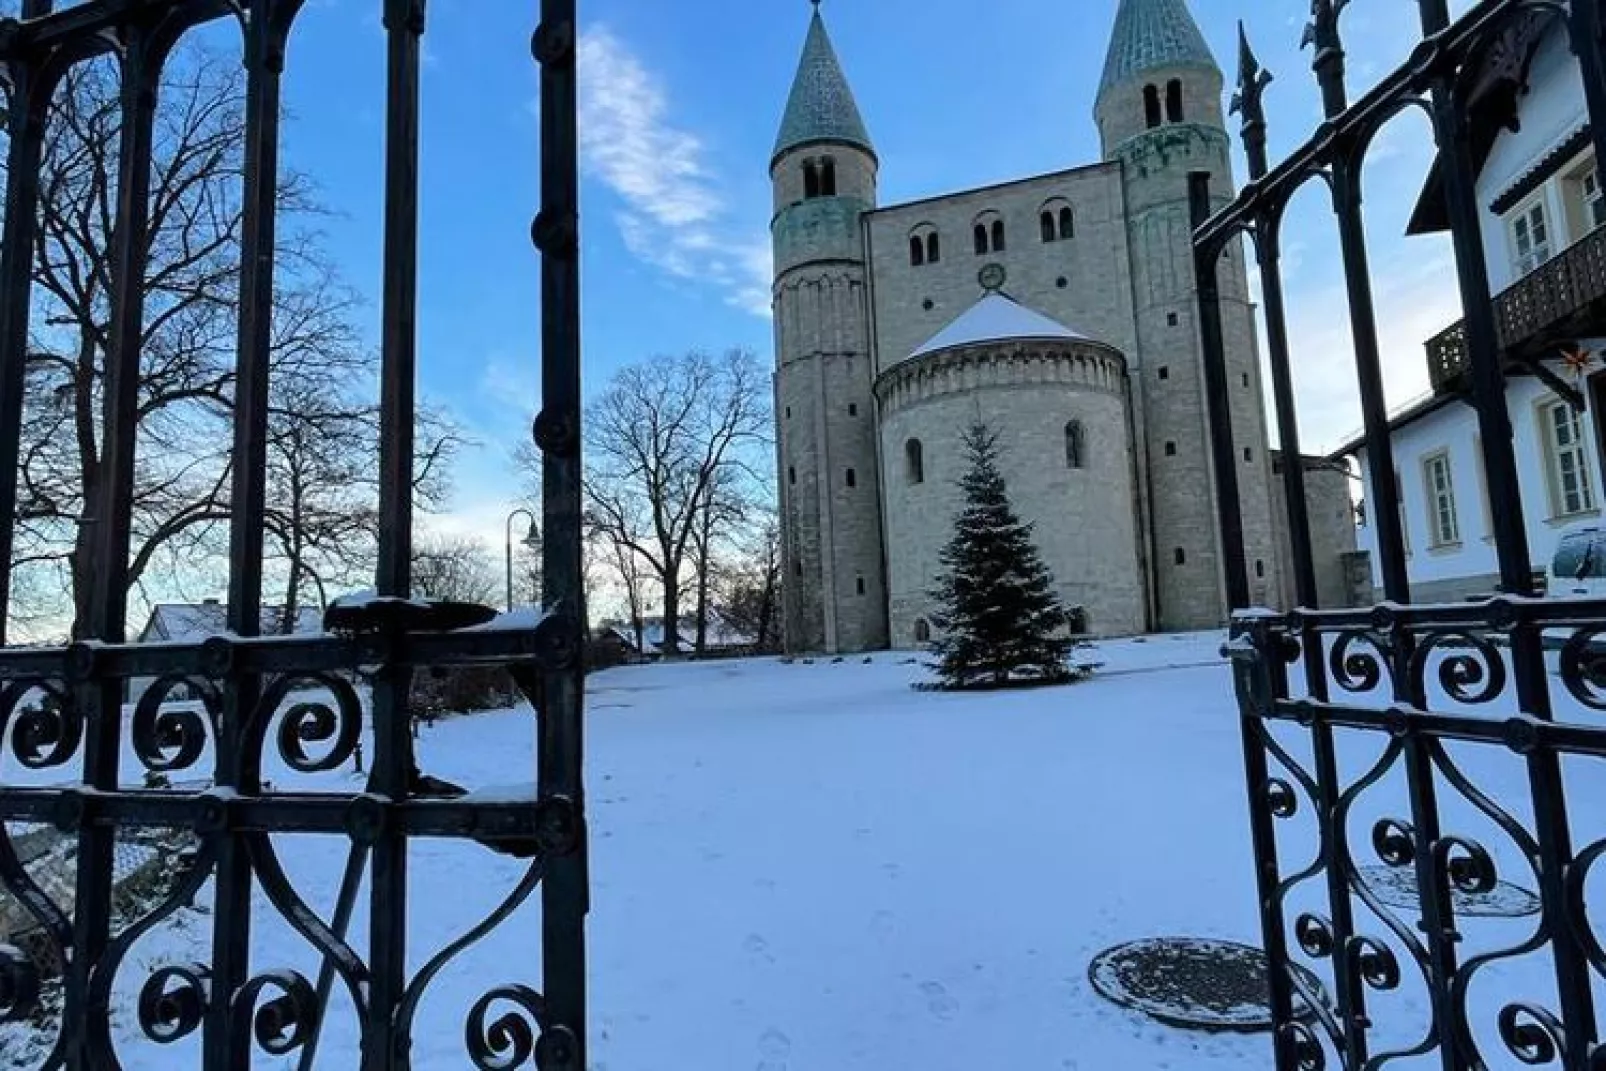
x: 1578, y: 567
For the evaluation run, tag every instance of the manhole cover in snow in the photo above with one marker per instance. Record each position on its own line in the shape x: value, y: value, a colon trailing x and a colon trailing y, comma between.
x: 1192, y: 982
x: 1397, y: 889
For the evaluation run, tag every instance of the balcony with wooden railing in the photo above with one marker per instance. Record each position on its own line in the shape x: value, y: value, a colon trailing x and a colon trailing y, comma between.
x: 1564, y: 296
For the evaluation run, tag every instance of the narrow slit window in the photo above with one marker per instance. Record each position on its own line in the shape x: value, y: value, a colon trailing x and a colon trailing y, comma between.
x: 933, y: 248
x: 1151, y: 106
x: 914, y: 455
x: 1067, y: 223
x: 917, y: 251
x: 811, y: 179
x: 1173, y: 100
x: 998, y: 236
x: 828, y: 178
x: 1050, y: 229
x: 1075, y: 446
x: 981, y: 239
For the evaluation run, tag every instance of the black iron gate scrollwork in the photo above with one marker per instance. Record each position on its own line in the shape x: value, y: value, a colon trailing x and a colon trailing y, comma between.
x: 297, y: 701
x: 1412, y: 681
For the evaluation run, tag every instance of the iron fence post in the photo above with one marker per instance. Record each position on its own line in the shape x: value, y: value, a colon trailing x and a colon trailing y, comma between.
x: 556, y: 233
x: 384, y: 1047
x: 1218, y: 402
x: 1385, y: 512
x: 1507, y: 518
x: 1256, y: 687
x: 30, y: 96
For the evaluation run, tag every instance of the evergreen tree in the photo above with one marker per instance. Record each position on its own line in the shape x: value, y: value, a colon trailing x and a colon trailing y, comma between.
x: 1000, y: 619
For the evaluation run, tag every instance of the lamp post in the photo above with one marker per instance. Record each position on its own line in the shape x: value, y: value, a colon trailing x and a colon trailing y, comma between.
x: 532, y: 539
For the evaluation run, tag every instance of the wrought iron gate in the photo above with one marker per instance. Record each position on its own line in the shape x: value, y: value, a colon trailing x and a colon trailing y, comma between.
x: 299, y: 697
x: 1412, y: 681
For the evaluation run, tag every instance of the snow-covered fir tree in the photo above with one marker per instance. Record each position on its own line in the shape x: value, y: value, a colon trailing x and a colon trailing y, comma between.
x: 1001, y: 622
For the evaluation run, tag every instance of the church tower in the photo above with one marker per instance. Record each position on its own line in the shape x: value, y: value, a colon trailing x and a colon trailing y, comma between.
x: 824, y: 173
x: 1159, y: 113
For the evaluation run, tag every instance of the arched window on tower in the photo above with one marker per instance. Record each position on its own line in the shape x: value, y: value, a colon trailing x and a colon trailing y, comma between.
x: 981, y: 239
x: 1050, y: 229
x: 923, y: 245
x: 811, y: 179
x: 998, y: 236
x: 1075, y: 446
x: 1067, y: 223
x: 1151, y: 106
x: 914, y: 456
x: 922, y: 631
x: 917, y: 250
x: 933, y: 248
x: 1173, y: 100
x: 828, y: 177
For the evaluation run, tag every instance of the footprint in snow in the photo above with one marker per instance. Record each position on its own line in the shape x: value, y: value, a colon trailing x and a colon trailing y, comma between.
x: 938, y: 1000
x: 758, y: 948
x: 773, y: 1049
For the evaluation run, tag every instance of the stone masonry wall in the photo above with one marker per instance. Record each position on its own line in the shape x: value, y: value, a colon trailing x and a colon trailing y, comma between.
x: 1187, y: 560
x: 1085, y: 519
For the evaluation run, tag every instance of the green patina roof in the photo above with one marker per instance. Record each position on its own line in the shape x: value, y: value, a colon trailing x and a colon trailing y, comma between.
x: 1151, y: 34
x: 821, y: 107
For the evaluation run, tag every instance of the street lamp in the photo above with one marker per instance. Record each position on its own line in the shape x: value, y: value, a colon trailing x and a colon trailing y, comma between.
x: 532, y: 539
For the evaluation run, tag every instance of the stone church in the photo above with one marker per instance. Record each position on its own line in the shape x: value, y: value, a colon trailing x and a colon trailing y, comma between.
x: 1057, y: 308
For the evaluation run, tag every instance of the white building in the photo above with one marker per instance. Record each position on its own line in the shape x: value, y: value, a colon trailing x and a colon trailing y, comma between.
x: 1541, y: 213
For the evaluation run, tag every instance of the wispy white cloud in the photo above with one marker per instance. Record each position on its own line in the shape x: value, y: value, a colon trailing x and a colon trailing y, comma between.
x: 673, y: 214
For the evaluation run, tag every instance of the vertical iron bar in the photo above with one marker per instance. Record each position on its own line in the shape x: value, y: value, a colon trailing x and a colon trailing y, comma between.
x: 1529, y: 675
x: 1268, y: 245
x: 29, y: 101
x: 383, y: 1047
x: 564, y: 895
x: 404, y: 26
x: 1257, y: 685
x: 1347, y: 983
x: 113, y: 508
x: 231, y: 931
x: 1229, y: 516
x: 1346, y: 182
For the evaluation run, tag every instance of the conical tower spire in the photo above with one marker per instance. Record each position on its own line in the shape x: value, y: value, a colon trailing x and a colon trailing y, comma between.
x: 1152, y: 34
x: 821, y: 107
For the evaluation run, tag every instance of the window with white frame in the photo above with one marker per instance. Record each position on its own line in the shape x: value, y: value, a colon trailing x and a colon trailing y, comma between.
x: 1567, y: 457
x: 1530, y: 236
x: 1594, y: 201
x: 1443, y: 525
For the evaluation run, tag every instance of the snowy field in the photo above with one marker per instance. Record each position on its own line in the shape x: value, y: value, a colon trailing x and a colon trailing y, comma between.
x: 813, y: 867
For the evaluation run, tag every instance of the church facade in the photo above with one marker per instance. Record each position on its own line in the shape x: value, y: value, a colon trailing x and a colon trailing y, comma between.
x: 1059, y: 310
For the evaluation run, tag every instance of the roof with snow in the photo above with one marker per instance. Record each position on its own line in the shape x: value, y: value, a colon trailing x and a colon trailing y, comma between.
x: 186, y: 622
x: 997, y: 318
x: 821, y: 106
x: 1151, y: 34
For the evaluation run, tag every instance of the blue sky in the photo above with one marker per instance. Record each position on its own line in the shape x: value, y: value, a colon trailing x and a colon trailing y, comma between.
x: 680, y: 104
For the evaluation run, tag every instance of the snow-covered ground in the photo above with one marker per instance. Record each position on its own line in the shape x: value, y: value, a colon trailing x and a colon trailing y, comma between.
x: 814, y: 867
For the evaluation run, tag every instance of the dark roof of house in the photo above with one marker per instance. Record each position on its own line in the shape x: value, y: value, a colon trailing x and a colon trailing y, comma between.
x: 183, y: 622
x: 1404, y: 417
x: 1493, y: 100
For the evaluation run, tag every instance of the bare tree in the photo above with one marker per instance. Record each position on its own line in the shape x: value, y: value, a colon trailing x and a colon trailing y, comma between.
x: 657, y: 440
x: 720, y: 519
x: 459, y: 568
x: 187, y: 348
x: 750, y: 592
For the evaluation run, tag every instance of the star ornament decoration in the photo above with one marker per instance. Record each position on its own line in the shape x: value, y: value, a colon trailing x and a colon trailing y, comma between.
x: 1576, y: 359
